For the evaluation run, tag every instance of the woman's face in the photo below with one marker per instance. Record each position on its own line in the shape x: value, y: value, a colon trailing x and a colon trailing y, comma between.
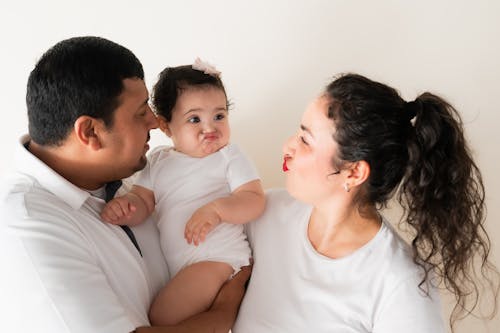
x: 310, y: 175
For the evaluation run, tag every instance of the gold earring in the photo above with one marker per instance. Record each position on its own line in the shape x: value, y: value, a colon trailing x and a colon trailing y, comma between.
x: 346, y: 187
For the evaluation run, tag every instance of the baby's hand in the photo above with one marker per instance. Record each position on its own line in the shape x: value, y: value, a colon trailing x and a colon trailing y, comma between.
x: 118, y: 211
x: 204, y: 220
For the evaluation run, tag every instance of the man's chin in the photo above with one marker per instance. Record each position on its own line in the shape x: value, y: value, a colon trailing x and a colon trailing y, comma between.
x: 142, y: 164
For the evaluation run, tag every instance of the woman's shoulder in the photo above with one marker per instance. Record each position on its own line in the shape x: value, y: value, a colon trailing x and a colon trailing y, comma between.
x: 281, y: 209
x: 281, y: 196
x: 281, y: 204
x: 397, y: 253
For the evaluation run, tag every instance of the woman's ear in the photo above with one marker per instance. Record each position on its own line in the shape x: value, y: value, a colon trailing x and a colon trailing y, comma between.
x: 163, y: 125
x: 87, y: 131
x: 358, y: 173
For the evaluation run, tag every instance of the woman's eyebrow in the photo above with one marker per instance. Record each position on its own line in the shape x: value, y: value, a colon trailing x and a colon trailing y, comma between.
x: 305, y: 129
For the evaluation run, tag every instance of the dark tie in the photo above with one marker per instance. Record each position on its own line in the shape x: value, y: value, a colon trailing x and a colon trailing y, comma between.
x: 111, y: 189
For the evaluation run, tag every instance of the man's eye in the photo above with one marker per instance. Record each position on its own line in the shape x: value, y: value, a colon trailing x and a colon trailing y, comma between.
x: 220, y: 116
x: 194, y: 120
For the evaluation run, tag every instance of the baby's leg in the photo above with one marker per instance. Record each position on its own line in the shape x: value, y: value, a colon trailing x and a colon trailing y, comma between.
x: 190, y: 292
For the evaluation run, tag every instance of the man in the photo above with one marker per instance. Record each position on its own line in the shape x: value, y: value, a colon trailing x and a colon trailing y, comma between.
x: 64, y: 269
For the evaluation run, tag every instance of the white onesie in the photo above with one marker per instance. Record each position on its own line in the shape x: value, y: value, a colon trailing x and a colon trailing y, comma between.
x: 181, y: 185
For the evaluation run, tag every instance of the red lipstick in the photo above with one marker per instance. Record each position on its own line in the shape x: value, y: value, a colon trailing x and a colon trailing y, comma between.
x: 285, y: 168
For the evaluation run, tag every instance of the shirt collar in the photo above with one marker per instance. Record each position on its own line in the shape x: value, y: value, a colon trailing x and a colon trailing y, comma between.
x: 27, y: 163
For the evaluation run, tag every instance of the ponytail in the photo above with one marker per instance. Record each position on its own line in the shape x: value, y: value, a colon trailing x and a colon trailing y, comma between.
x: 443, y: 196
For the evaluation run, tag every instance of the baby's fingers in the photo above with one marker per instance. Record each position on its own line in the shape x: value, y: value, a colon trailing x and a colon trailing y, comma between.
x: 189, y: 231
x: 192, y: 228
x: 108, y: 215
x: 201, y: 235
x: 118, y: 212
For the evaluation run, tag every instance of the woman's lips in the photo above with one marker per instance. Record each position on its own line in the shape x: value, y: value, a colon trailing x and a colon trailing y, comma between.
x: 285, y: 168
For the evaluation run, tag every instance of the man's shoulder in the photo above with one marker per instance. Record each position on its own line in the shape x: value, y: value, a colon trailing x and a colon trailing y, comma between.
x: 23, y: 198
x: 14, y: 188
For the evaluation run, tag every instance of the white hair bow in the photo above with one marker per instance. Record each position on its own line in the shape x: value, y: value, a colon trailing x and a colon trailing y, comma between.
x: 205, y: 67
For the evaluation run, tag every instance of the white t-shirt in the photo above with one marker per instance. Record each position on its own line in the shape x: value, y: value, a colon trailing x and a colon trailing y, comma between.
x: 64, y: 270
x: 293, y: 288
x: 181, y: 185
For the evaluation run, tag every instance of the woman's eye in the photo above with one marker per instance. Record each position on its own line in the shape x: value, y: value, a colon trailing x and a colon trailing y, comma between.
x: 219, y: 116
x: 303, y: 140
x: 194, y: 120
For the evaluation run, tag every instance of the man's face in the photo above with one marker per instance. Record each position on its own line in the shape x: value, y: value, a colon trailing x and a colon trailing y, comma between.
x: 126, y: 141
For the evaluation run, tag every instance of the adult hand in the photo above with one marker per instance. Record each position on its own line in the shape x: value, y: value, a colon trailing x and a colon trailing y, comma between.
x: 221, y: 315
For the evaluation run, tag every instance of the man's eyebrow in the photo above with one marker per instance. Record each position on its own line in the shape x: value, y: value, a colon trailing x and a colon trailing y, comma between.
x: 307, y: 130
x: 145, y: 102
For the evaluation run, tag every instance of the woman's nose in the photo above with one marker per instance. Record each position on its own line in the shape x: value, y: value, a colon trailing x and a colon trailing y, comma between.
x: 288, y: 146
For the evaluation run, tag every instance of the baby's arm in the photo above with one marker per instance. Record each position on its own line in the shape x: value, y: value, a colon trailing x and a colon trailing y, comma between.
x: 130, y: 209
x: 245, y: 204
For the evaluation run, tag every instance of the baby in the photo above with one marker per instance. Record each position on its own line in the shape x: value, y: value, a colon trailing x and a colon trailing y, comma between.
x: 203, y: 189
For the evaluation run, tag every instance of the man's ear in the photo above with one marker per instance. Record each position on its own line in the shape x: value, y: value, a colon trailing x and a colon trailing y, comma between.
x: 358, y: 173
x: 87, y: 131
x: 164, y: 126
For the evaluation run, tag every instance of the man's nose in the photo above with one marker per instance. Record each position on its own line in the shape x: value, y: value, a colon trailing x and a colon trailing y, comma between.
x: 153, y: 120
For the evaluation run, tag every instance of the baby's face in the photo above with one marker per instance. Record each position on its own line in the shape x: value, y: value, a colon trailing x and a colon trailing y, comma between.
x: 199, y: 125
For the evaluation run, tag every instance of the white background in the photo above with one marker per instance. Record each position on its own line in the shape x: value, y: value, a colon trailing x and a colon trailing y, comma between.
x: 275, y: 56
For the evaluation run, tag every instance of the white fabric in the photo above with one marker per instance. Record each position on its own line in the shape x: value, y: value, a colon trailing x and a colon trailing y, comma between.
x: 293, y: 288
x: 183, y: 184
x: 64, y: 269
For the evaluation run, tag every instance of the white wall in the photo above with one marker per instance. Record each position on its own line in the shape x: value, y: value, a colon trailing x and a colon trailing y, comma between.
x: 275, y: 56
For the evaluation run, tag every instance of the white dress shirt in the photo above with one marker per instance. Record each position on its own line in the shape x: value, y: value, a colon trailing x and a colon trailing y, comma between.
x: 64, y: 269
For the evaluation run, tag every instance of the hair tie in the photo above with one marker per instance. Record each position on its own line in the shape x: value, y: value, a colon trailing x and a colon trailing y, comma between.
x: 412, y: 108
x: 205, y: 67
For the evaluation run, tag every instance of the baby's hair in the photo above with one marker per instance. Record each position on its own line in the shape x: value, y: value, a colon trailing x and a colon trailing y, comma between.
x: 173, y: 80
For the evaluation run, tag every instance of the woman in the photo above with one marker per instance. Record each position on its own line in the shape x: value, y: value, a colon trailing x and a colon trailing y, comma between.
x: 326, y: 260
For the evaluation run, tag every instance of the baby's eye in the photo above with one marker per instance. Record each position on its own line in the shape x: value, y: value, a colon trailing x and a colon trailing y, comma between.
x: 194, y: 120
x: 219, y: 116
